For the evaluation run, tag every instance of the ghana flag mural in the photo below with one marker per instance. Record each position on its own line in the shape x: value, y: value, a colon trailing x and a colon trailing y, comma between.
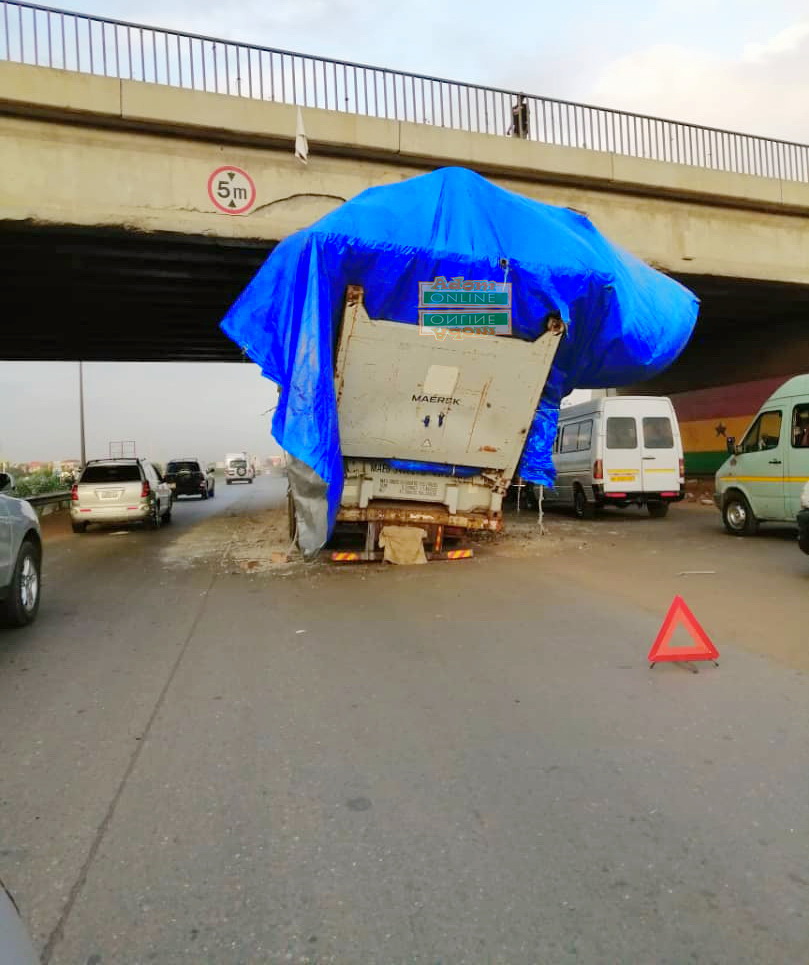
x: 708, y: 416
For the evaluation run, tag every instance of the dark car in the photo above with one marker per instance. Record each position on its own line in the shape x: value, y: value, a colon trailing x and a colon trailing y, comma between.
x: 187, y: 477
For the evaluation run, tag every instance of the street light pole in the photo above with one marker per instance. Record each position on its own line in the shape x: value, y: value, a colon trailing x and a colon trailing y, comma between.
x: 81, y: 413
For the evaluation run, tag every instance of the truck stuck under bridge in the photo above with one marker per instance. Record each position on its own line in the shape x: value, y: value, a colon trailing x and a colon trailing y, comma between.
x: 458, y: 416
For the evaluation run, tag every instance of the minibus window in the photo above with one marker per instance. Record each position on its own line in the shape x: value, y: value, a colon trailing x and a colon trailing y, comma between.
x: 570, y: 435
x: 657, y: 432
x: 800, y: 426
x: 622, y: 432
x: 764, y: 433
x: 585, y: 435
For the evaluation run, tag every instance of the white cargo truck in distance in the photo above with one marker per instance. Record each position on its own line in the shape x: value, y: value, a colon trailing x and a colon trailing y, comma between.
x: 238, y: 468
x: 466, y: 404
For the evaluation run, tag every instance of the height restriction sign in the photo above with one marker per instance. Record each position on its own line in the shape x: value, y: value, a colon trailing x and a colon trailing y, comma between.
x: 232, y: 190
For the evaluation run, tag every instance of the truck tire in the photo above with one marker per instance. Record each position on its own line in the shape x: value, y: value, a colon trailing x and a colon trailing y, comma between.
x: 581, y: 507
x: 22, y: 603
x: 737, y: 515
x: 78, y: 527
x: 657, y: 509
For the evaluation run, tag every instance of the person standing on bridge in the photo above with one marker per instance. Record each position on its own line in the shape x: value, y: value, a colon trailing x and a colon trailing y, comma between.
x: 519, y: 118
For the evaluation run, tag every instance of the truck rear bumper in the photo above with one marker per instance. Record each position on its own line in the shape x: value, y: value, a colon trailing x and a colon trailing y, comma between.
x: 418, y: 514
x: 370, y: 556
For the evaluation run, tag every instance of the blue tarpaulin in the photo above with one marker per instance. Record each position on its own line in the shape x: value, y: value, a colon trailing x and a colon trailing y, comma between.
x: 626, y: 321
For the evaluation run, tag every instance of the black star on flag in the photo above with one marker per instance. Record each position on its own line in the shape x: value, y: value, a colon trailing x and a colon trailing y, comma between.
x: 721, y: 429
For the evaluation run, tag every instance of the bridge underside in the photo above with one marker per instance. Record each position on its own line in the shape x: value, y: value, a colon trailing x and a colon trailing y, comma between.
x: 99, y: 294
x: 115, y: 295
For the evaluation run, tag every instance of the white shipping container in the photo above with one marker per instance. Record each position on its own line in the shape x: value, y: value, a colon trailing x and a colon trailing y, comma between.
x: 459, y: 402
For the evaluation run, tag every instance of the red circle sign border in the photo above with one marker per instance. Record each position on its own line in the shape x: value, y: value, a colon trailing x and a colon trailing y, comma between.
x: 250, y: 181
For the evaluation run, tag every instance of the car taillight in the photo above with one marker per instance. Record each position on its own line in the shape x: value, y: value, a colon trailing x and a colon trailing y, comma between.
x: 598, y: 469
x: 74, y: 492
x: 682, y: 468
x: 146, y: 490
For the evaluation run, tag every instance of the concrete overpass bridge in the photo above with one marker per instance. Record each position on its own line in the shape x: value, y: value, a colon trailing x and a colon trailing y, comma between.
x: 148, y: 173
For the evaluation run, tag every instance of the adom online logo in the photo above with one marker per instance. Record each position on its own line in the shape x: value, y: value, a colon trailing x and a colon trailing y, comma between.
x: 460, y: 307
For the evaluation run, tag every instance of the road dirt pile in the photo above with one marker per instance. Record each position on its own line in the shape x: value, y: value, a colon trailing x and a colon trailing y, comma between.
x: 238, y: 543
x: 259, y: 542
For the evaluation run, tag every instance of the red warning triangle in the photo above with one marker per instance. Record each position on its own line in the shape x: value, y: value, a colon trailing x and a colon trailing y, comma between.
x: 679, y: 613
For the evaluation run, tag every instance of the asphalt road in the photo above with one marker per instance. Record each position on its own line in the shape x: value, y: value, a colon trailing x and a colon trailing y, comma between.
x: 456, y: 763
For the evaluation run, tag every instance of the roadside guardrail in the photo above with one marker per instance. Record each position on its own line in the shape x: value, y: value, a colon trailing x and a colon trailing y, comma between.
x: 47, y: 503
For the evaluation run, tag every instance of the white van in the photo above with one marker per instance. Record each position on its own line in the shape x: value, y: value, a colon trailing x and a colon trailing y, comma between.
x: 763, y: 477
x: 618, y: 451
x: 238, y: 468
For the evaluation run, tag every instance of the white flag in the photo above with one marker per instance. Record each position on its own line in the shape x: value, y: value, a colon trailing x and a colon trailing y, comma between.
x: 301, y: 144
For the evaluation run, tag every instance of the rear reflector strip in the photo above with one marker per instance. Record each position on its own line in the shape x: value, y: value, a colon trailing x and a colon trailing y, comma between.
x: 345, y: 557
x: 669, y: 494
x: 615, y: 495
x: 459, y: 554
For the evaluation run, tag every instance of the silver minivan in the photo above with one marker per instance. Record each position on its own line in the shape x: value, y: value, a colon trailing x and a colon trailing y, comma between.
x: 762, y: 479
x: 120, y: 491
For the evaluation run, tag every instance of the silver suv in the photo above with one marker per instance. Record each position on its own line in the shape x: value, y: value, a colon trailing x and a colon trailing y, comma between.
x: 20, y: 558
x: 120, y: 491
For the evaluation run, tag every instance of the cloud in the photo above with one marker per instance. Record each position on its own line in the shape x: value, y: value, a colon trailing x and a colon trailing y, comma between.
x: 763, y: 89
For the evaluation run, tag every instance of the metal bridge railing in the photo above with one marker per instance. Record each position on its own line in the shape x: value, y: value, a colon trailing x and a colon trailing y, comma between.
x: 48, y: 37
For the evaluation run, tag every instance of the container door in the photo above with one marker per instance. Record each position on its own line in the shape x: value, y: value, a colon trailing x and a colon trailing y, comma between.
x: 622, y: 457
x: 659, y: 454
x: 798, y: 458
x: 760, y: 465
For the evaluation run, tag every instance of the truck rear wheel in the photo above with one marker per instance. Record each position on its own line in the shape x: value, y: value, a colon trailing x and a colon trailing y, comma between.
x: 657, y: 509
x: 738, y: 516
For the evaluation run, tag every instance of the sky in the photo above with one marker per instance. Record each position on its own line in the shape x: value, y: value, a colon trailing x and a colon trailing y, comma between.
x: 167, y: 410
x: 736, y: 64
